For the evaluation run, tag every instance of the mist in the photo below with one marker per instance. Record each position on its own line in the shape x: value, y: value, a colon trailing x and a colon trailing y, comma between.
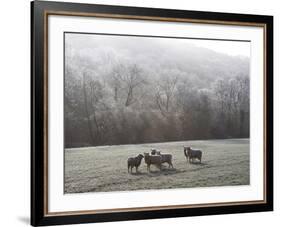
x: 131, y: 90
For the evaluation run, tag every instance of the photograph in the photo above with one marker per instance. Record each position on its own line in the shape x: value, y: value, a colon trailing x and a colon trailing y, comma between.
x: 147, y: 113
x: 155, y: 112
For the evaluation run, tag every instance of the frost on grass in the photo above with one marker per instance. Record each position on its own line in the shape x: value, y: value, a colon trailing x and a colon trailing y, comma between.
x: 104, y: 168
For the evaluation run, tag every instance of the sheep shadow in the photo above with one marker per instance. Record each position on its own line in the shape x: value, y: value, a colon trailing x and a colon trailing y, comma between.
x: 138, y: 173
x: 198, y: 163
x: 170, y: 171
x: 164, y: 171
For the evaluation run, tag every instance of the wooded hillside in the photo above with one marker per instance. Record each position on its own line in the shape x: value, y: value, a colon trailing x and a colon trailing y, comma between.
x: 124, y: 90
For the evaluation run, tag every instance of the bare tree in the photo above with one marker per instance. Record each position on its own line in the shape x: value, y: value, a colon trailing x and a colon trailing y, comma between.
x: 164, y: 93
x: 127, y: 81
x: 87, y: 111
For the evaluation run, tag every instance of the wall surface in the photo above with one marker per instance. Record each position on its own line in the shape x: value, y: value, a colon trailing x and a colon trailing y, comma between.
x: 15, y: 111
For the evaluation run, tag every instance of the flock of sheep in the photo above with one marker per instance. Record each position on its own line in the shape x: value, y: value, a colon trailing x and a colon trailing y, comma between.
x: 157, y: 158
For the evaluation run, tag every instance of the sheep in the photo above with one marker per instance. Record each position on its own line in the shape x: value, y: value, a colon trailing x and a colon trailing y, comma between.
x: 191, y: 154
x: 153, y: 151
x: 165, y: 158
x: 134, y: 162
x: 152, y: 160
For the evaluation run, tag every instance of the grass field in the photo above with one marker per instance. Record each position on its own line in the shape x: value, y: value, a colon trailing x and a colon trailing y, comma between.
x: 101, y: 169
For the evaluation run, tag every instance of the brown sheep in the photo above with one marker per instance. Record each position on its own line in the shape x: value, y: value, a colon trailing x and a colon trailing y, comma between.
x: 134, y: 162
x: 191, y: 154
x: 166, y: 158
x: 152, y: 160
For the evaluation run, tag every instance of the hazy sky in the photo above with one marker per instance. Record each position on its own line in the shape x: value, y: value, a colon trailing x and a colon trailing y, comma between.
x: 232, y: 48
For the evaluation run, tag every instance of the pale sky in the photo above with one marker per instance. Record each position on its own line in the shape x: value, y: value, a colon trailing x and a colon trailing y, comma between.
x: 233, y: 48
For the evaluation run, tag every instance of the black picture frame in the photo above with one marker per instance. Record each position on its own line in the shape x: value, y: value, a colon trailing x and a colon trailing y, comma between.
x: 39, y: 111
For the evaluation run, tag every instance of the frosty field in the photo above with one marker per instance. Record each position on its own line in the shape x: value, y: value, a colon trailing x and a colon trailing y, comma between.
x: 104, y: 168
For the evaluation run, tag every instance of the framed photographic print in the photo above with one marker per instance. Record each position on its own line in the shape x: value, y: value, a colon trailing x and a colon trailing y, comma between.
x: 142, y: 113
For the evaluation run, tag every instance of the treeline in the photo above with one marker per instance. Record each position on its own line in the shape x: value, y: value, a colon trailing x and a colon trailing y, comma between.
x: 112, y: 100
